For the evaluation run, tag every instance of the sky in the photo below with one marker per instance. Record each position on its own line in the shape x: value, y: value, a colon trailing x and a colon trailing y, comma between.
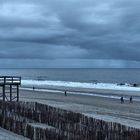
x: 69, y: 34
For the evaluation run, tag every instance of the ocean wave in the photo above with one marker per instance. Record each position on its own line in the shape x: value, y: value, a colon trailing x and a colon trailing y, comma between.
x: 110, y: 86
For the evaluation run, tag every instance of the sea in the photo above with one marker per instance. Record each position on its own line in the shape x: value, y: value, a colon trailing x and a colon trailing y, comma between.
x: 76, y: 75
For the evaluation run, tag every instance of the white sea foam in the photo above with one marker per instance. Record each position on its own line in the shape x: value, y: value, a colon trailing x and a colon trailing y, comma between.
x: 111, y: 86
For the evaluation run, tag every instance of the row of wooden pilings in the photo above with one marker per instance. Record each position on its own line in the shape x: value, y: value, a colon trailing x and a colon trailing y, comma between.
x: 20, y: 118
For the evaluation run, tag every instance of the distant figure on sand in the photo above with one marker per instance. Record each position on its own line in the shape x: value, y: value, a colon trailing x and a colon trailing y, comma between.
x: 65, y: 93
x: 33, y: 88
x: 122, y: 100
x: 131, y: 99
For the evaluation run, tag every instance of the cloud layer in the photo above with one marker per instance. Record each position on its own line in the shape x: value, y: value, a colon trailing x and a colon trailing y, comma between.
x: 85, y: 33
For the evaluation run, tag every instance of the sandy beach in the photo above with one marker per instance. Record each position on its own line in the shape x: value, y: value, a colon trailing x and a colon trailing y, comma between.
x: 101, y: 104
x: 108, y: 109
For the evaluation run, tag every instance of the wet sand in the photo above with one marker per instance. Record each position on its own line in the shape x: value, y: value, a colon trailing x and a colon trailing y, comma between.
x: 107, y: 109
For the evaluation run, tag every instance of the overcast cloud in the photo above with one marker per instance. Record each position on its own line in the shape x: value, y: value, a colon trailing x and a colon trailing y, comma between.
x: 70, y: 33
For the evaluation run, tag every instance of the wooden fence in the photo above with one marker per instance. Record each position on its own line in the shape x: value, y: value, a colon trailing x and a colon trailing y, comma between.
x: 20, y: 118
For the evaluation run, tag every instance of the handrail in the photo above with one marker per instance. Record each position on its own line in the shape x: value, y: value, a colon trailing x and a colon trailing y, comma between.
x: 10, y: 80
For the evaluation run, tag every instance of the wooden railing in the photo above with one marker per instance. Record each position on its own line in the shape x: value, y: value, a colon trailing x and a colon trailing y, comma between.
x: 7, y: 80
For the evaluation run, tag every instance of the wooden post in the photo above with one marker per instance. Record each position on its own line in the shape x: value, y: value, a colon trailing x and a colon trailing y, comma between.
x: 17, y: 93
x: 10, y: 92
x: 3, y: 103
x: 3, y: 93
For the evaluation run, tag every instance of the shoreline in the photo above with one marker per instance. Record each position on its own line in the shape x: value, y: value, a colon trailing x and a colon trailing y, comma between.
x: 106, y: 93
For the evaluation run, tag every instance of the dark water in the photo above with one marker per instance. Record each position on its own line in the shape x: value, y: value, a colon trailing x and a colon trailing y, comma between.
x: 77, y: 75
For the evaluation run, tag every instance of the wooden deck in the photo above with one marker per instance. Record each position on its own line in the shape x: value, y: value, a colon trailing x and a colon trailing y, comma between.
x: 10, y: 80
x: 10, y: 88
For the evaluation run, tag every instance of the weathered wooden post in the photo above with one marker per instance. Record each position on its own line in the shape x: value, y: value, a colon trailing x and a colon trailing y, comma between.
x: 17, y: 93
x: 10, y: 92
x: 3, y: 94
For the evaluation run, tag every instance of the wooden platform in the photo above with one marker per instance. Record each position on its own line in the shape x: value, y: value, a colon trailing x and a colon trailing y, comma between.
x: 9, y: 88
x: 10, y: 80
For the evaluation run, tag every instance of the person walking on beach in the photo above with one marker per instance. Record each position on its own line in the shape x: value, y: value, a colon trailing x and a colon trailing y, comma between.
x: 33, y: 88
x: 65, y: 93
x: 131, y: 99
x: 122, y: 100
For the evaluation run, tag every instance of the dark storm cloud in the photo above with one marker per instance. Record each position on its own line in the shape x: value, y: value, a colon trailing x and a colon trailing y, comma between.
x: 86, y: 33
x: 39, y: 51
